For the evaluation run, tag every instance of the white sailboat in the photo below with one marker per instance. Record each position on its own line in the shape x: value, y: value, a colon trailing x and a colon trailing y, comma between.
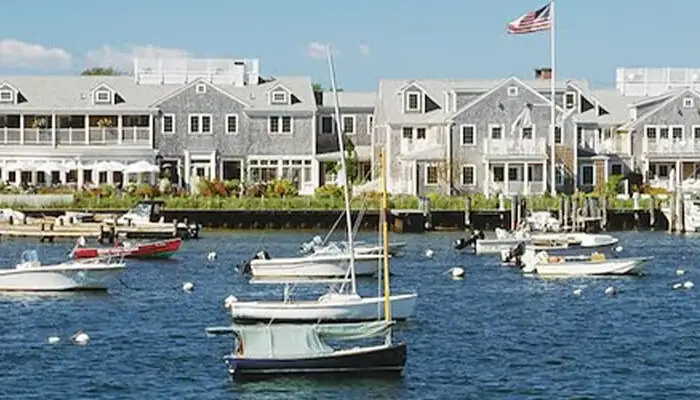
x: 541, y: 263
x: 338, y: 306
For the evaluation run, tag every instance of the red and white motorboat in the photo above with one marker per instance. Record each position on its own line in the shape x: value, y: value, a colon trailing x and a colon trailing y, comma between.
x: 158, y: 249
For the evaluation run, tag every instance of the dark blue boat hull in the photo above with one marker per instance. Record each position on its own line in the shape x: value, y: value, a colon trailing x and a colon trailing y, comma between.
x: 388, y: 361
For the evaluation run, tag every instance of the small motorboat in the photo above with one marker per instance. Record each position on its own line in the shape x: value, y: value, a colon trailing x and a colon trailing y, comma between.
x: 265, y: 351
x: 316, y: 265
x: 30, y: 276
x: 541, y: 263
x: 157, y: 249
x: 317, y: 245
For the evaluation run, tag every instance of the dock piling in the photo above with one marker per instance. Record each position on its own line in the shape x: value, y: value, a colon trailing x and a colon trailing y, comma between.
x: 513, y: 212
x: 467, y: 212
x: 652, y: 213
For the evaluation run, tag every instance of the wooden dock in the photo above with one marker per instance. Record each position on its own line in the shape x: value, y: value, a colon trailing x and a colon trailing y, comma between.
x: 50, y: 229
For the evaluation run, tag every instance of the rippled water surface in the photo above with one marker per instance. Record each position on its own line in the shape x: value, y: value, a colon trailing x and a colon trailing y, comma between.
x: 495, y: 334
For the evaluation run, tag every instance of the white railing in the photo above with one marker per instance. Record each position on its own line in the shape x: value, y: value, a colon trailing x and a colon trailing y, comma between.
x: 518, y: 148
x: 179, y: 70
x: 670, y: 146
x: 517, y: 187
x: 37, y: 136
x: 11, y: 135
x: 656, y: 81
x: 70, y: 136
x: 129, y: 136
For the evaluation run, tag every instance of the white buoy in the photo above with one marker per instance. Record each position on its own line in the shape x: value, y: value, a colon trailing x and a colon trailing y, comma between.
x: 188, y: 286
x: 429, y: 253
x: 54, y: 339
x: 688, y: 284
x: 611, y: 291
x: 211, y: 256
x: 677, y: 285
x: 577, y: 292
x: 619, y: 249
x: 457, y: 273
x: 680, y: 272
x: 228, y: 302
x: 81, y: 338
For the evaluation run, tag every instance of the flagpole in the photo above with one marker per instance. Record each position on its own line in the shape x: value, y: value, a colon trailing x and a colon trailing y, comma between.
x: 552, y: 112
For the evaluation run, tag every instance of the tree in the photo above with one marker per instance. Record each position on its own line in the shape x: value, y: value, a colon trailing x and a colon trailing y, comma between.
x: 101, y: 71
x: 317, y: 87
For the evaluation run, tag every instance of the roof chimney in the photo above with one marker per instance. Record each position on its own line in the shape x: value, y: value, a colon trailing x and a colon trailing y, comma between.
x: 544, y: 74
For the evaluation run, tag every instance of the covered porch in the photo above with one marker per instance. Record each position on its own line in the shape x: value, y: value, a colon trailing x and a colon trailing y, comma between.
x: 515, y: 177
x: 671, y: 174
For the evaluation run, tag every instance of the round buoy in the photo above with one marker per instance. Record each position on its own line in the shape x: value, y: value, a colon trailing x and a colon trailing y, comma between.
x: 619, y: 249
x: 228, y: 302
x: 429, y: 253
x: 577, y: 292
x: 677, y: 285
x: 81, y: 338
x: 457, y: 273
x: 188, y: 286
x: 688, y: 285
x: 211, y: 256
x: 680, y: 272
x: 611, y: 291
x: 54, y: 339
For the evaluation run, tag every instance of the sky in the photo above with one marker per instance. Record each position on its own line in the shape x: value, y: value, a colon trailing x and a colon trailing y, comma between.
x: 371, y: 39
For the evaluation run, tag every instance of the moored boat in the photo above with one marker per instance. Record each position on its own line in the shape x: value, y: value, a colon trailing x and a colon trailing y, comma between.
x: 317, y: 265
x: 30, y: 276
x: 157, y: 249
x: 541, y: 263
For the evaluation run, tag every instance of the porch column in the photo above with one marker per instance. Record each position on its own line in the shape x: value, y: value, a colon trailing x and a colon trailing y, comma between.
x: 35, y: 177
x: 63, y: 177
x: 646, y: 171
x: 679, y: 172
x: 120, y: 127
x: 87, y: 129
x: 53, y: 129
x: 526, y: 179
x: 607, y: 169
x: 487, y: 186
x: 21, y: 129
x: 110, y: 177
x: 212, y: 166
x: 4, y: 171
x: 18, y: 177
x: 81, y: 178
x: 188, y: 166
x: 506, y: 178
x: 545, y: 179
x: 150, y: 129
x: 48, y: 178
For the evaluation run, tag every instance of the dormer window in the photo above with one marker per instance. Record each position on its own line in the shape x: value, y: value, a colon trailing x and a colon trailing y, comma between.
x: 200, y: 88
x: 570, y: 100
x: 688, y: 102
x: 512, y: 91
x: 7, y: 96
x: 413, y: 102
x: 279, y: 97
x: 103, y: 97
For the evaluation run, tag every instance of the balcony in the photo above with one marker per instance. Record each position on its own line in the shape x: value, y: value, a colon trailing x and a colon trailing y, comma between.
x: 671, y: 147
x: 127, y: 136
x: 612, y: 145
x: 515, y: 149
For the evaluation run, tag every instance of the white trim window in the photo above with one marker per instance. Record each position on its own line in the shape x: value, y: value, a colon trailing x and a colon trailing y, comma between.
x: 199, y: 123
x: 527, y: 132
x: 7, y: 96
x: 200, y: 88
x: 349, y: 124
x: 558, y: 138
x: 496, y: 131
x: 279, y: 97
x: 370, y: 124
x: 570, y: 100
x: 512, y: 91
x: 468, y: 134
x: 413, y: 101
x: 421, y: 133
x: 231, y: 124
x: 327, y: 124
x: 696, y: 132
x: 617, y: 169
x: 651, y: 132
x: 431, y: 175
x: 468, y: 175
x: 587, y: 174
x: 103, y: 96
x: 688, y: 102
x: 677, y: 132
x: 663, y: 132
x: 280, y: 125
x: 167, y: 124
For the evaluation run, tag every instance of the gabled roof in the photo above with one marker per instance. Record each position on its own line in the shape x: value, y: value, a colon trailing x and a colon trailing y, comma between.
x: 8, y: 84
x: 409, y: 84
x: 677, y: 94
x: 192, y: 84
x: 654, y: 99
x: 277, y: 86
x: 102, y: 85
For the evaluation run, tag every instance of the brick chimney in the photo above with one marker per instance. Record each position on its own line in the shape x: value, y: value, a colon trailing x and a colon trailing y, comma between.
x: 544, y: 74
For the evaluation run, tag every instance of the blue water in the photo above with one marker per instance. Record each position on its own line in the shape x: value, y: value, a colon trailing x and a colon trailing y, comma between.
x: 493, y: 335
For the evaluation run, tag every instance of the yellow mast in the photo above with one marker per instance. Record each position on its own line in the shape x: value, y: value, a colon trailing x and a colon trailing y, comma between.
x: 385, y: 235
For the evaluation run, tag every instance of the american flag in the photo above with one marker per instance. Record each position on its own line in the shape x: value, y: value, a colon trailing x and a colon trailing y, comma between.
x: 534, y: 21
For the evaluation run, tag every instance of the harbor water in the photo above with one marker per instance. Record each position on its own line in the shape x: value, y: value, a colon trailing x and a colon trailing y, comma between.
x: 493, y: 335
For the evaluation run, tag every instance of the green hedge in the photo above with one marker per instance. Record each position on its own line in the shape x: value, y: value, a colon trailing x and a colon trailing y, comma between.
x: 437, y: 202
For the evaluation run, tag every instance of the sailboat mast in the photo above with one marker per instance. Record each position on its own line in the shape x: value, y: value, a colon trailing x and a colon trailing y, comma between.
x: 343, y: 164
x: 385, y: 235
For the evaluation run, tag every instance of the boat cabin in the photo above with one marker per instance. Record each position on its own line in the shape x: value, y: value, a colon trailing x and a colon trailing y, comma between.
x: 146, y: 211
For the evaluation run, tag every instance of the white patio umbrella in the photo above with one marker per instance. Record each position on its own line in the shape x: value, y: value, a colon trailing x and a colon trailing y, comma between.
x: 49, y: 166
x: 140, y: 167
x: 19, y: 166
x: 70, y: 165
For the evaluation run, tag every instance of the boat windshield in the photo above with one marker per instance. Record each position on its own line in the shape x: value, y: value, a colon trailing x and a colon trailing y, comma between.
x: 141, y: 209
x: 29, y: 256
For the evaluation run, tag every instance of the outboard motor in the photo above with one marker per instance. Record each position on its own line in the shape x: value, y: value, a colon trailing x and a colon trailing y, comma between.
x: 515, y: 253
x: 464, y: 243
x: 244, y: 266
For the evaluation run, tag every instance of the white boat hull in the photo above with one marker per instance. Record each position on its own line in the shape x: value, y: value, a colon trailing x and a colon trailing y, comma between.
x: 496, y: 246
x: 622, y: 266
x: 552, y: 243
x: 315, y: 266
x: 339, y: 308
x: 59, y: 278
